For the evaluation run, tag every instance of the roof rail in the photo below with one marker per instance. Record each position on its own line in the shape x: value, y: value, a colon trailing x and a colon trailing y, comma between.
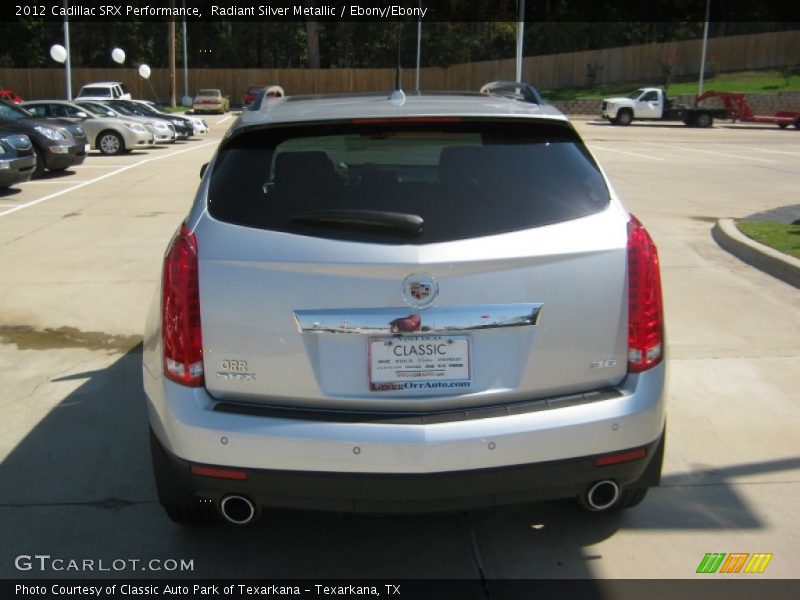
x: 513, y: 89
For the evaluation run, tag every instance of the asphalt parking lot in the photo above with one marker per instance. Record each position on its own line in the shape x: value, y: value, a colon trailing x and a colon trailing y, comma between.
x: 79, y: 261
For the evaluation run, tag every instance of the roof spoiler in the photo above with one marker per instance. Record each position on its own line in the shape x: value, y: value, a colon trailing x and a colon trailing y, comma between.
x: 513, y: 89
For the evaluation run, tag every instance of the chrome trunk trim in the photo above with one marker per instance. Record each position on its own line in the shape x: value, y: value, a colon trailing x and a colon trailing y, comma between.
x: 441, y: 320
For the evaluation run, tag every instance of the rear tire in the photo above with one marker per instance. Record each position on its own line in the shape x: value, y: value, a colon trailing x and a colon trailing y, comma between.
x: 704, y: 120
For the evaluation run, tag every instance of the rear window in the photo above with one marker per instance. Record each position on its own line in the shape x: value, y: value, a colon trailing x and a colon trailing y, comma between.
x: 103, y: 92
x: 215, y: 93
x: 359, y: 181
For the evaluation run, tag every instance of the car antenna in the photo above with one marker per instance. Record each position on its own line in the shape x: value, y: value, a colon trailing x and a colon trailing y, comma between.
x: 398, y: 96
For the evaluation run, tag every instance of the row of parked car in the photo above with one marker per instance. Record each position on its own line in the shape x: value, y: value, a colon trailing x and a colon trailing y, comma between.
x: 54, y: 135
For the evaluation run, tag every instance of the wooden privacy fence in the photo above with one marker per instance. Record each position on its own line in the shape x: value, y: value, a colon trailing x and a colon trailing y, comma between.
x: 632, y: 63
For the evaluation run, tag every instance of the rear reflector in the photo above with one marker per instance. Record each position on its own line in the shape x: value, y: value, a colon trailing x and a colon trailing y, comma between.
x: 219, y: 473
x: 180, y: 312
x: 645, y: 310
x: 621, y: 457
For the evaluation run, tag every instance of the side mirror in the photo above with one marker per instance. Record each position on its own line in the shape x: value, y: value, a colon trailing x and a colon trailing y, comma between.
x: 203, y: 170
x: 82, y: 115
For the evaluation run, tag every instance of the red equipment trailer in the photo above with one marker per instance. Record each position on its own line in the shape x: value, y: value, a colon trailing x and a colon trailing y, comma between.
x: 738, y: 108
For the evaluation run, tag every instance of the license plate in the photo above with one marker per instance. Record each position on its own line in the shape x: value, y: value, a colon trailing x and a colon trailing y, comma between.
x: 86, y: 148
x: 424, y: 363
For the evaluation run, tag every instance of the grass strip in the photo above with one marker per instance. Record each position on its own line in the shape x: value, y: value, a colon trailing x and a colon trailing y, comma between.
x: 783, y: 237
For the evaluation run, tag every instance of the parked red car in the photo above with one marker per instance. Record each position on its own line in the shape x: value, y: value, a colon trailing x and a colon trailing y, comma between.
x: 10, y: 95
x: 252, y: 92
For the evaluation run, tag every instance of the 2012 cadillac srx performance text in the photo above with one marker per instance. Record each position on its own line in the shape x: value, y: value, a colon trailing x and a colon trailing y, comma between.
x: 431, y: 302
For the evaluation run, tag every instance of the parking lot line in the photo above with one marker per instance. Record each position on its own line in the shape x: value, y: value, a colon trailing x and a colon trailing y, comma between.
x: 775, y: 151
x: 682, y: 148
x: 223, y: 120
x: 99, y: 166
x: 592, y: 146
x: 100, y: 178
x: 27, y: 183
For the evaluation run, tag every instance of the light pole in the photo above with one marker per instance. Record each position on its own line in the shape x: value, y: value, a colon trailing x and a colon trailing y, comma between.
x: 705, y: 45
x: 186, y: 100
x: 520, y: 38
x: 60, y: 54
x: 66, y: 47
x: 419, y: 42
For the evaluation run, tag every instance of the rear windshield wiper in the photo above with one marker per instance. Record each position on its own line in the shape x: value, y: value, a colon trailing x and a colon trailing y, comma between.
x: 403, y: 222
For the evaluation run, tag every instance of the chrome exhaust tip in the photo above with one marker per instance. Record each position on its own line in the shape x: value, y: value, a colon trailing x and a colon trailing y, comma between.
x: 238, y: 510
x: 602, y: 495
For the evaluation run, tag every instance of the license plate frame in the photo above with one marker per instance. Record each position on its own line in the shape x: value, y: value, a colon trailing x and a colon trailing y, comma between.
x: 420, y: 363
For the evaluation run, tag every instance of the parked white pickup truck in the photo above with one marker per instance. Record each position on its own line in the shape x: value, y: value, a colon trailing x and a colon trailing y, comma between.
x: 653, y: 104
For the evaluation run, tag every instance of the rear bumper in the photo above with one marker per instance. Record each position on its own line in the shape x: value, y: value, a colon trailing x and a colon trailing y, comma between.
x: 550, y: 447
x: 390, y: 493
x: 208, y: 107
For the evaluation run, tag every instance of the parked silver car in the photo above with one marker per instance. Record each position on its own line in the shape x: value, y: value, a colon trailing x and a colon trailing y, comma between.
x: 109, y: 135
x: 163, y: 132
x: 387, y: 303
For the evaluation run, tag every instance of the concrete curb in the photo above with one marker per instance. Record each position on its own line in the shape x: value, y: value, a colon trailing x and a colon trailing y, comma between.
x: 764, y: 258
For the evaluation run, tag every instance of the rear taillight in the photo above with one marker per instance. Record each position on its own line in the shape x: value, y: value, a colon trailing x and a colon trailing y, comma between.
x: 180, y: 312
x: 645, y: 309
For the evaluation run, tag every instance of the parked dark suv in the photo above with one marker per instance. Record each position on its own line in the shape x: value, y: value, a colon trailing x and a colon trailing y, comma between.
x: 17, y: 160
x: 57, y: 143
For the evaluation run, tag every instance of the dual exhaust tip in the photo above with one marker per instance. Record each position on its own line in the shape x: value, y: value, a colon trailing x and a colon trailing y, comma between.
x: 237, y: 510
x: 602, y: 495
x: 240, y: 510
